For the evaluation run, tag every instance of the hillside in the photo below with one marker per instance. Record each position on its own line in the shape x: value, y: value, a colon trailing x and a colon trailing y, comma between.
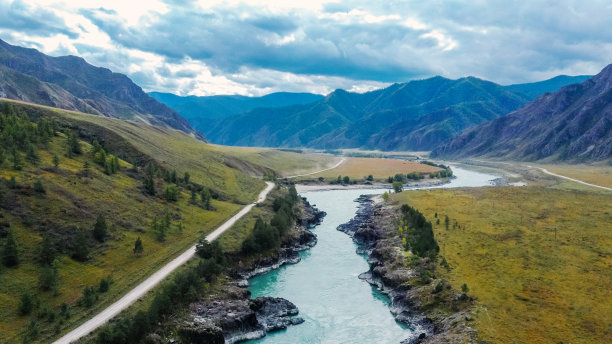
x: 535, y: 89
x: 69, y: 82
x: 572, y: 124
x: 62, y: 171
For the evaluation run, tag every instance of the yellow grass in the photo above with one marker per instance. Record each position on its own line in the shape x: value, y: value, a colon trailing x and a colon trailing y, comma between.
x: 529, y: 286
x: 598, y: 175
x: 359, y: 168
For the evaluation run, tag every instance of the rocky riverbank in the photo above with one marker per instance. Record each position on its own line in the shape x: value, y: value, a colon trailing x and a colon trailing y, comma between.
x: 445, y: 319
x: 231, y: 316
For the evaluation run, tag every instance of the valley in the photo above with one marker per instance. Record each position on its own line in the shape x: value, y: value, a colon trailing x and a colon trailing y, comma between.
x: 305, y: 172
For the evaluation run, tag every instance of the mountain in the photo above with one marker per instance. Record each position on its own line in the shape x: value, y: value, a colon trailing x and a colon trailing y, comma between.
x: 535, y: 89
x: 69, y: 82
x: 572, y: 124
x: 417, y: 115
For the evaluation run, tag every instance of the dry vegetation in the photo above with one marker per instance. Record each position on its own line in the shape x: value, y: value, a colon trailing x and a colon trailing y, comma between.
x: 537, y: 260
x: 380, y: 169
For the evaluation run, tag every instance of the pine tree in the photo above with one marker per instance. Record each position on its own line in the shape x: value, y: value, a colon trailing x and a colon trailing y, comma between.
x: 16, y: 159
x: 149, y: 185
x: 49, y: 277
x: 205, y: 197
x: 46, y: 251
x: 56, y: 161
x: 138, y: 248
x: 100, y: 229
x: 186, y: 178
x: 10, y: 251
x: 81, y: 249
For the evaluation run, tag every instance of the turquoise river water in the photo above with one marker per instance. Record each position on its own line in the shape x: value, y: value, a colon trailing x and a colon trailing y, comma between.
x: 336, y: 305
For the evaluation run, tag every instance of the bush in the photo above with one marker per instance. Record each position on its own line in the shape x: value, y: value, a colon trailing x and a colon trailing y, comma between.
x: 26, y: 304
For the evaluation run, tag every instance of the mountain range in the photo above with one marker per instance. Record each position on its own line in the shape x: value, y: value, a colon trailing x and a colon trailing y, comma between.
x: 69, y: 82
x: 572, y: 124
x: 200, y: 110
x: 418, y: 115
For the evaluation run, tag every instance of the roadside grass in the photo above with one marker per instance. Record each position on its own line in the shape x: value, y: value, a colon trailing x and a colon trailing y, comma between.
x: 537, y: 260
x: 380, y: 169
x: 598, y: 175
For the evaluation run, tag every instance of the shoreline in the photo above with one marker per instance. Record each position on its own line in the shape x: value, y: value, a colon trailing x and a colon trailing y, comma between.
x: 377, y: 239
x: 233, y: 316
x: 315, y: 187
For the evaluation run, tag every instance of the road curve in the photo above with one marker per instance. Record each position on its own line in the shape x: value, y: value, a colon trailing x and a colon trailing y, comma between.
x: 319, y: 171
x: 572, y: 179
x: 141, y: 289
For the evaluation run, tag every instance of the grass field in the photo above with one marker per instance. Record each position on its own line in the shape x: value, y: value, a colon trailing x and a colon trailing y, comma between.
x: 598, y: 175
x: 380, y: 169
x: 537, y: 260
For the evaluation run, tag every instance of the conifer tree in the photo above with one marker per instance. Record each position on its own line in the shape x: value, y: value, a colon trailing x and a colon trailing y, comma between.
x: 10, y: 251
x: 100, y: 228
x: 138, y: 248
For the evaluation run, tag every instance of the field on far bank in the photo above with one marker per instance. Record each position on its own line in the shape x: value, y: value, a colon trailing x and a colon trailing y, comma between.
x: 537, y: 260
x: 380, y: 169
x: 598, y: 175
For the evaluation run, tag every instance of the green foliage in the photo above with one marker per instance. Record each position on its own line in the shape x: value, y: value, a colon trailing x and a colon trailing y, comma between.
x: 415, y: 175
x: 186, y: 177
x: 149, y: 185
x: 171, y: 193
x: 49, y: 277
x: 398, y: 187
x: 73, y: 146
x: 385, y: 196
x: 210, y: 250
x: 370, y: 178
x: 138, y: 247
x: 420, y: 236
x: 205, y: 198
x: 89, y: 297
x: 26, y: 304
x: 399, y: 178
x: 46, y: 251
x: 104, y: 285
x: 56, y: 161
x: 80, y: 247
x: 100, y: 228
x: 464, y: 288
x: 38, y: 186
x: 10, y: 251
x: 263, y: 237
x: 346, y: 180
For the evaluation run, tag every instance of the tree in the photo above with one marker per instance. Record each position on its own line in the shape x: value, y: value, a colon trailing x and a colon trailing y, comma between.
x: 104, y: 285
x: 26, y: 304
x: 10, y: 251
x: 346, y: 180
x: 186, y: 178
x: 205, y: 197
x: 46, y: 251
x: 171, y: 193
x: 398, y: 187
x: 32, y: 154
x: 72, y: 144
x: 56, y: 161
x: 49, y: 277
x: 138, y: 248
x: 464, y: 288
x: 149, y: 185
x: 16, y: 159
x: 370, y: 178
x: 100, y: 228
x: 385, y: 196
x: 81, y: 249
x: 38, y: 187
x: 89, y: 297
x: 446, y: 222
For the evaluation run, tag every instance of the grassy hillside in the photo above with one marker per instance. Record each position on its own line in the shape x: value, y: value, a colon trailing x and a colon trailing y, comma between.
x: 537, y: 260
x: 79, y: 190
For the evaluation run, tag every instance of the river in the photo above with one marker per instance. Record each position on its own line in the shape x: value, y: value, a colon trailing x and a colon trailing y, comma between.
x: 336, y: 305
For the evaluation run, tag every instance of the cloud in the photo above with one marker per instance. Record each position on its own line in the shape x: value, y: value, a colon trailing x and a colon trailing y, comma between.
x: 256, y: 46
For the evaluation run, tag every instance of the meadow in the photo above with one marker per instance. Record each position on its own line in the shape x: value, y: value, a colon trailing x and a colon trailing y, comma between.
x: 537, y: 260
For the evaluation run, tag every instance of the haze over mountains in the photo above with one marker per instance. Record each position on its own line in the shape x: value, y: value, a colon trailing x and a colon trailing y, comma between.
x: 69, y: 82
x: 418, y: 115
x: 572, y: 124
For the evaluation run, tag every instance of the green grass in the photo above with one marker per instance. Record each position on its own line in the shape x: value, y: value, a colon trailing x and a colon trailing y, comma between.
x: 531, y: 285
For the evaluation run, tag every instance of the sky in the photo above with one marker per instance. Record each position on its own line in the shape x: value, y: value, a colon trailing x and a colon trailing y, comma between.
x: 257, y: 47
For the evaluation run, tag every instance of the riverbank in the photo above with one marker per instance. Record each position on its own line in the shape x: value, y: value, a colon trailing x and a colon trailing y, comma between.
x: 320, y: 186
x: 428, y: 305
x: 230, y: 315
